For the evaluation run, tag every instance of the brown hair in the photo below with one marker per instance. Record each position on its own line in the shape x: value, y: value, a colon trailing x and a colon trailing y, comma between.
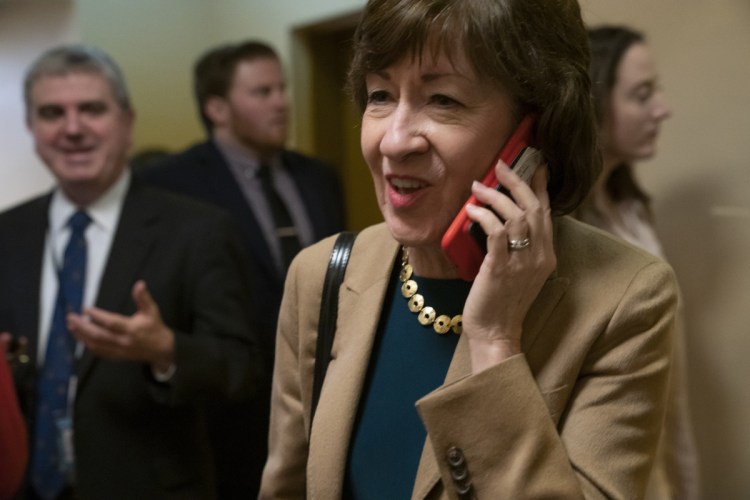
x: 608, y: 46
x: 537, y: 50
x: 214, y: 71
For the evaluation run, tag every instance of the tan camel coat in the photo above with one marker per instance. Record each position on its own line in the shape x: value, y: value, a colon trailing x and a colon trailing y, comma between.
x: 577, y: 415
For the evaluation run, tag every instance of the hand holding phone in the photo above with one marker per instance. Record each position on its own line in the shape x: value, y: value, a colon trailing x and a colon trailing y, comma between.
x: 465, y: 242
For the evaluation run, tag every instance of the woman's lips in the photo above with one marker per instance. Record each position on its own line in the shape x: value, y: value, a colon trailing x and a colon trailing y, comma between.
x: 404, y: 191
x: 406, y: 185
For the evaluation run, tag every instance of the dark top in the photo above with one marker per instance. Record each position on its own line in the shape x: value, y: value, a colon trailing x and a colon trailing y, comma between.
x: 202, y: 172
x: 408, y: 361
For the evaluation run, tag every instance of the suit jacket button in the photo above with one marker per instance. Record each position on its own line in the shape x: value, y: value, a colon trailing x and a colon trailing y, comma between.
x: 460, y: 473
x: 464, y: 490
x: 456, y: 457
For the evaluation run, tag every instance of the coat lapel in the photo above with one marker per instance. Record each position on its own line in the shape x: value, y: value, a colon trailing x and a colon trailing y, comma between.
x: 314, y: 192
x: 23, y: 263
x: 136, y: 232
x: 27, y: 267
x: 360, y: 303
x: 227, y: 194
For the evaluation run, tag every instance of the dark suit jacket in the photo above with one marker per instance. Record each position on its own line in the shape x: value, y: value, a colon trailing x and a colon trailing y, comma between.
x: 240, y: 432
x: 202, y: 172
x: 134, y: 437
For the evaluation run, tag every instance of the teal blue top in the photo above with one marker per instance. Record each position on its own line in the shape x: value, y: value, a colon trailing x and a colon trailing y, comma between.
x: 408, y: 362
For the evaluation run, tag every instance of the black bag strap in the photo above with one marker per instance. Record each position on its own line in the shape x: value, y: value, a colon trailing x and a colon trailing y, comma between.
x: 329, y: 309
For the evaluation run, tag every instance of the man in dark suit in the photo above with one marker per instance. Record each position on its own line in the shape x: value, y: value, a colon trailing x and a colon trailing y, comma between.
x: 240, y: 92
x: 149, y: 284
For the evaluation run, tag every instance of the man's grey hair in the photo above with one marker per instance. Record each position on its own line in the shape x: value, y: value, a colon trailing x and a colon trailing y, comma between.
x: 79, y: 58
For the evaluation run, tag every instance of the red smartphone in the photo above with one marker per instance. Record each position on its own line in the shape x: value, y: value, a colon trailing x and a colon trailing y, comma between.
x: 465, y: 242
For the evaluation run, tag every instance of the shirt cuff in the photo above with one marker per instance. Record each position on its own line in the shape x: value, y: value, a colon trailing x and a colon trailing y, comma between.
x: 164, y: 376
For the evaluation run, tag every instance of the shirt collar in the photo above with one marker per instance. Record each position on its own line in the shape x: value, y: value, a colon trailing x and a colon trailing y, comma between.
x: 104, y: 212
x: 244, y: 160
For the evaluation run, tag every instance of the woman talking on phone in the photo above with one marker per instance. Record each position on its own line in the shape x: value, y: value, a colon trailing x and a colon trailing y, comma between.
x: 545, y: 375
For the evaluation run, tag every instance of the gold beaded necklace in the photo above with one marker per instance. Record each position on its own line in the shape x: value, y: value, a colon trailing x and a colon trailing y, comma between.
x: 426, y: 315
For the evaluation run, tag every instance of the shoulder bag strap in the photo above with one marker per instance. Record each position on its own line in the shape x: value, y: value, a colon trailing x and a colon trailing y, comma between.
x: 329, y: 308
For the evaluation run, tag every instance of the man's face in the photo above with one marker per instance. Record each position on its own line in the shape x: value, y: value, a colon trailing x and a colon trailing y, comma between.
x: 80, y: 132
x: 257, y: 105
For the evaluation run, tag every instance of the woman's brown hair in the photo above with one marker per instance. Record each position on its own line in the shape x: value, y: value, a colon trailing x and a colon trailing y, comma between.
x: 608, y: 47
x: 537, y: 50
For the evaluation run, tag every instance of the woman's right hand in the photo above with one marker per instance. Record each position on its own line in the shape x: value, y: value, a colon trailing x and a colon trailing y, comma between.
x: 509, y: 279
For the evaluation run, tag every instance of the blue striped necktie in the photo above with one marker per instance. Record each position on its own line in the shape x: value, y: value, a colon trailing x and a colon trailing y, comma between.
x: 54, y: 376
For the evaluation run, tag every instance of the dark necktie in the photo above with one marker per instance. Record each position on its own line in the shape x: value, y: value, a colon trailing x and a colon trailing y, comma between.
x: 285, y: 230
x: 52, y: 398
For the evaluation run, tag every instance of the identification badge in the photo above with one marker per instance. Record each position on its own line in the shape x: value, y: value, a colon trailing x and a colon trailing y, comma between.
x: 66, y: 453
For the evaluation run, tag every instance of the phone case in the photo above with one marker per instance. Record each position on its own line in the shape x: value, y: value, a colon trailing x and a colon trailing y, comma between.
x: 464, y: 242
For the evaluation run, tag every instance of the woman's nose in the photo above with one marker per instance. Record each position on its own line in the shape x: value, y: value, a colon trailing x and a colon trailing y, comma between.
x: 661, y: 111
x: 404, y: 134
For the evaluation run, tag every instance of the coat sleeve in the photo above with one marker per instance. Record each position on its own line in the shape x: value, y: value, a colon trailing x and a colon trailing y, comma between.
x: 216, y: 348
x: 492, y: 433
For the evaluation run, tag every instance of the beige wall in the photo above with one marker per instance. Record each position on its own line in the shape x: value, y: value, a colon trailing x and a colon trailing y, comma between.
x: 700, y: 180
x: 157, y: 41
x: 700, y: 184
x: 26, y: 28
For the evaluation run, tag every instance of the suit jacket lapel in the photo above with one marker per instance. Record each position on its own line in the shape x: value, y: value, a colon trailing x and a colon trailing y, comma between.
x: 360, y: 303
x: 26, y: 266
x: 229, y: 195
x: 311, y: 191
x: 136, y: 231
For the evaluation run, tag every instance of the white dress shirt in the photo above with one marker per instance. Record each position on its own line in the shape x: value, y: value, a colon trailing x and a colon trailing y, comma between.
x: 105, y: 215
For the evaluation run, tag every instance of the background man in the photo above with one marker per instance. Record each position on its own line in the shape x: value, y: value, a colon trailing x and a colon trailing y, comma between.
x: 149, y: 284
x: 281, y: 201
